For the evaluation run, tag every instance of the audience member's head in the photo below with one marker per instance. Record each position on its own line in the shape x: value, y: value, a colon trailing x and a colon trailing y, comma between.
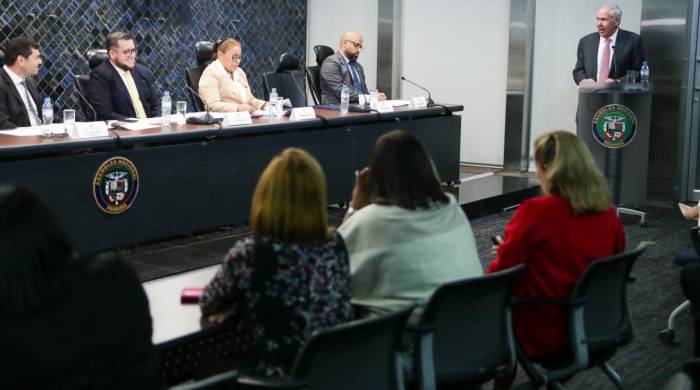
x: 122, y: 50
x: 401, y: 172
x: 351, y: 45
x: 229, y: 52
x: 565, y: 167
x: 290, y: 199
x: 22, y: 56
x: 35, y: 253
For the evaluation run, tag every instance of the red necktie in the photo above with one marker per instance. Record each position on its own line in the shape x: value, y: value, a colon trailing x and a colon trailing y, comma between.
x: 605, y: 63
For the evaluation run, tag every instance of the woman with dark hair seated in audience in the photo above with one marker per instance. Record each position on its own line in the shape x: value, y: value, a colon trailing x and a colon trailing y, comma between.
x: 557, y: 235
x: 405, y: 236
x: 66, y: 323
x: 291, y: 278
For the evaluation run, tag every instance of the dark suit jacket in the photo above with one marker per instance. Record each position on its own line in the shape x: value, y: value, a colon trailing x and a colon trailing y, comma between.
x: 110, y: 98
x: 628, y: 55
x: 335, y: 73
x: 13, y: 113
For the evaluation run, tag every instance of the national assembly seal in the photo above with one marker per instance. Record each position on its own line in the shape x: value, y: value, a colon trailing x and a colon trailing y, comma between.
x: 115, y: 185
x: 614, y: 126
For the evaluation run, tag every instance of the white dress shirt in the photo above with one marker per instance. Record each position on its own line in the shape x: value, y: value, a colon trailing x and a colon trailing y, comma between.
x: 601, y: 47
x: 23, y: 93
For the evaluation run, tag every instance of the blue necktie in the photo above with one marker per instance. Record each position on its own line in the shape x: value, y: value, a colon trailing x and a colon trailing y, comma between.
x: 355, y: 77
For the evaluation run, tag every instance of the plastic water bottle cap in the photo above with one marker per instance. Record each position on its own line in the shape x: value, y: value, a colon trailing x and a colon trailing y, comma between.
x: 645, y: 63
x: 47, y: 100
x: 274, y: 90
x: 166, y: 93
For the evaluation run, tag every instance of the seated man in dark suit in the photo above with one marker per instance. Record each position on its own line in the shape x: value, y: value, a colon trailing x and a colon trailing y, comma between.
x: 20, y: 103
x: 341, y: 69
x: 608, y: 54
x: 120, y: 88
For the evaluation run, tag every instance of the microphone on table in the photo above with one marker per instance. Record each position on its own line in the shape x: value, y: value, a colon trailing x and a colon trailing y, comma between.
x: 430, y: 100
x: 81, y: 96
x: 206, y: 119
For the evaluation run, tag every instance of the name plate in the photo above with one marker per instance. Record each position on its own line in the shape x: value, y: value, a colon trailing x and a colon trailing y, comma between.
x: 237, y: 118
x: 302, y: 113
x: 90, y: 129
x: 419, y: 102
x: 384, y: 106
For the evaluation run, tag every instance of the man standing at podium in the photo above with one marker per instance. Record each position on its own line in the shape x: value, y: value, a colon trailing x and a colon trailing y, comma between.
x: 608, y: 54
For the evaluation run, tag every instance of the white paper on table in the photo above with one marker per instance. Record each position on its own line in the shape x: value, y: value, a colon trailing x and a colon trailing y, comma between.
x: 33, y: 131
x: 398, y: 103
x: 135, y: 126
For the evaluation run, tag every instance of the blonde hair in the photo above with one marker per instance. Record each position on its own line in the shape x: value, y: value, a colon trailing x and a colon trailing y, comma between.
x: 290, y: 199
x: 224, y: 45
x: 570, y: 172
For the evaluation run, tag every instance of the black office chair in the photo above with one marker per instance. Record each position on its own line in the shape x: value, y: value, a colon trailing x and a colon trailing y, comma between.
x: 94, y: 57
x: 691, y: 256
x: 2, y: 58
x: 288, y: 79
x: 464, y: 335
x: 313, y: 73
x: 362, y: 354
x: 599, y: 322
x: 204, y: 51
x: 687, y: 379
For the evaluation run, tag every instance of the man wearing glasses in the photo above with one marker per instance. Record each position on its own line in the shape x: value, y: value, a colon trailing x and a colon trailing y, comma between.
x: 341, y: 69
x: 120, y: 88
x: 20, y: 103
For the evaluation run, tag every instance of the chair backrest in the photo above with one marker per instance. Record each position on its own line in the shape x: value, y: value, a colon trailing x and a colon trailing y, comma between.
x: 204, y: 51
x: 606, y: 312
x: 472, y: 334
x: 321, y: 53
x: 358, y: 355
x: 313, y: 76
x: 288, y: 79
x: 695, y: 238
x: 95, y: 57
x: 81, y: 84
x: 2, y: 58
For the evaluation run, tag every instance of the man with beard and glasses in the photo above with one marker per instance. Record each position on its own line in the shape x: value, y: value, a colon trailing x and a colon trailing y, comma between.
x: 120, y: 88
x: 341, y: 69
x: 608, y: 53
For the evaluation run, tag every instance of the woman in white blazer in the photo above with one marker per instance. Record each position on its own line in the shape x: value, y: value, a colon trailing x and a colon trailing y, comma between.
x: 224, y: 86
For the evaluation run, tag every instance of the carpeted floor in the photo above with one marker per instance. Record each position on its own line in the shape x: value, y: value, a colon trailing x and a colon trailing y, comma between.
x: 646, y: 363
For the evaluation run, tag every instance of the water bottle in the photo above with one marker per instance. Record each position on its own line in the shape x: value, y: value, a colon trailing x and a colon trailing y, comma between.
x: 166, y: 108
x: 47, y: 114
x: 344, y: 99
x: 644, y: 72
x: 273, y: 102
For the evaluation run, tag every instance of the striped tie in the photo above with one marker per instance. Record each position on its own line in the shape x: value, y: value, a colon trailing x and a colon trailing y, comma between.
x: 134, y: 93
x: 30, y: 102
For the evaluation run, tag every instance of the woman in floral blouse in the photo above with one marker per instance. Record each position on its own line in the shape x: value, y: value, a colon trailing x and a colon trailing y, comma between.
x: 291, y: 278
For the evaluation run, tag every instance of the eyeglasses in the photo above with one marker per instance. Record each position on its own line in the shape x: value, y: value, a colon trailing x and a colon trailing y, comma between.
x: 357, y: 45
x: 128, y: 52
x: 236, y: 57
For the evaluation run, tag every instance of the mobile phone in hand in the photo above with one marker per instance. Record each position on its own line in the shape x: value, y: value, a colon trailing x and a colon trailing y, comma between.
x: 191, y: 295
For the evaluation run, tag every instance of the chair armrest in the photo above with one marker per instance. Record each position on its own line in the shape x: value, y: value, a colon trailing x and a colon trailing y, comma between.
x: 547, y: 301
x: 249, y: 382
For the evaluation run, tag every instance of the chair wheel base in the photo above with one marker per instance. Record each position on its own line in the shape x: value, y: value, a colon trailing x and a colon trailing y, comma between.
x: 667, y: 336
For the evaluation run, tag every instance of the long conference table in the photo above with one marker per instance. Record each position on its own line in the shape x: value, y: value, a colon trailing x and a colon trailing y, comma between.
x: 197, y: 177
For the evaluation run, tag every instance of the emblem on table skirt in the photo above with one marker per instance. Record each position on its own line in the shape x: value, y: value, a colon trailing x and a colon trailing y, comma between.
x: 115, y: 185
x: 614, y: 126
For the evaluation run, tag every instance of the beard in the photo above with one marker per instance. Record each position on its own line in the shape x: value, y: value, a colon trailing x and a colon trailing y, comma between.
x: 353, y: 57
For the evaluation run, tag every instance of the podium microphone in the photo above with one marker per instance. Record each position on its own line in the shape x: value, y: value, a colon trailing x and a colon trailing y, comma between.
x: 206, y: 119
x: 430, y: 100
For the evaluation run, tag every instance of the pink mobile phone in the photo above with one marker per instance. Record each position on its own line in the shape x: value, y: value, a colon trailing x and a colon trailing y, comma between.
x: 191, y: 295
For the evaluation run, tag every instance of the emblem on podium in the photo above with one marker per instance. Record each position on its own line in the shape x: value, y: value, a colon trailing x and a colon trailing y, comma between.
x: 115, y: 185
x: 614, y: 126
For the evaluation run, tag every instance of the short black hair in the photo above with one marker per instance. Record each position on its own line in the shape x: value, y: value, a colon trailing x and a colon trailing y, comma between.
x: 19, y: 46
x: 401, y: 173
x: 35, y: 256
x: 114, y: 38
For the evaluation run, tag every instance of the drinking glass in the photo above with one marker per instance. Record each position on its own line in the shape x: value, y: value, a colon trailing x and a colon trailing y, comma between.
x: 181, y: 110
x: 69, y: 121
